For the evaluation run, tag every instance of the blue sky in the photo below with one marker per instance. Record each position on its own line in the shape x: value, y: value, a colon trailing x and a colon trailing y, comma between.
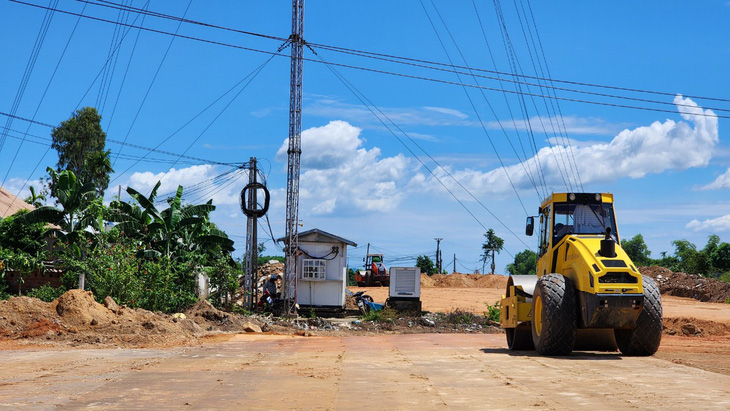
x: 669, y: 171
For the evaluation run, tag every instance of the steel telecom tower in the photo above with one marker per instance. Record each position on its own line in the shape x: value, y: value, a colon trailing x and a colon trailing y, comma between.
x: 296, y: 42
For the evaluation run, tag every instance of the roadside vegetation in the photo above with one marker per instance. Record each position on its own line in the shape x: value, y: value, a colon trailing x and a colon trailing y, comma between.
x: 146, y: 252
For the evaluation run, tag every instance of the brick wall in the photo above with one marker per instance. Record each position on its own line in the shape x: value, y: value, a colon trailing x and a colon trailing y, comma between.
x: 50, y: 276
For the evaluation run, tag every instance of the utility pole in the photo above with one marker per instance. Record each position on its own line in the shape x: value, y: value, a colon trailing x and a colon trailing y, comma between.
x: 454, y: 263
x: 250, y: 278
x: 438, y: 254
x: 294, y: 152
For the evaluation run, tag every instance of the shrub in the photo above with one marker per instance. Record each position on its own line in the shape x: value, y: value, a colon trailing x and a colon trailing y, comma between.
x: 385, y: 315
x: 459, y: 316
x: 168, y: 286
x: 493, y: 312
x: 46, y: 292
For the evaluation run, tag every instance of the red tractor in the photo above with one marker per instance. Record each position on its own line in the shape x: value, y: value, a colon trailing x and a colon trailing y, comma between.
x: 374, y: 273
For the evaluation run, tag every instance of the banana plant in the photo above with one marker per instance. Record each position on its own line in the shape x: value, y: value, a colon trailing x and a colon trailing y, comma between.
x: 80, y: 207
x: 176, y: 227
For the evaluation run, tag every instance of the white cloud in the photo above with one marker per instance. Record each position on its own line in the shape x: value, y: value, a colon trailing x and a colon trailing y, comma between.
x: 403, y: 116
x: 339, y: 175
x: 222, y: 194
x: 722, y: 181
x: 20, y: 187
x: 632, y: 153
x: 448, y: 112
x: 718, y: 224
x: 571, y: 124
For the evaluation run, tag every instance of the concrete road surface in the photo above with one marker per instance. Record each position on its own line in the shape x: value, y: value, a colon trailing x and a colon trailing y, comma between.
x: 417, y: 371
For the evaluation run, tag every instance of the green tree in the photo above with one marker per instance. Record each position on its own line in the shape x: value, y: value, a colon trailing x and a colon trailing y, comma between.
x: 637, y: 250
x: 721, y: 257
x: 80, y: 143
x: 525, y: 263
x: 425, y: 264
x: 690, y: 260
x: 491, y: 245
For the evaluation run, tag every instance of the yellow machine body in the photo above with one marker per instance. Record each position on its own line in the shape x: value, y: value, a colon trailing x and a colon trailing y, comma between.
x: 609, y: 288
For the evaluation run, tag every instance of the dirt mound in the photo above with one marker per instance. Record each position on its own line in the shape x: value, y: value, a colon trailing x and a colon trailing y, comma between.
x: 694, y: 327
x: 492, y: 281
x: 210, y: 318
x: 688, y: 285
x: 77, y: 319
x: 78, y: 308
x: 458, y: 280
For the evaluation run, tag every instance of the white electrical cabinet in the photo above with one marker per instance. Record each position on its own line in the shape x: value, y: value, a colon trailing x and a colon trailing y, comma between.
x: 405, y: 282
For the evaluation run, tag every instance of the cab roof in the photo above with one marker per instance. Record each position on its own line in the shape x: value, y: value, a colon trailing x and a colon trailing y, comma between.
x: 577, y: 198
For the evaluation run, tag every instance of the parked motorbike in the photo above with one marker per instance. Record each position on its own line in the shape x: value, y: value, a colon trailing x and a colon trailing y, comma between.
x: 365, y: 303
x: 271, y: 303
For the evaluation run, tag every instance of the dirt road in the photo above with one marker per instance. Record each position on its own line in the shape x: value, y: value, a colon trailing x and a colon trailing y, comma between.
x: 424, y: 371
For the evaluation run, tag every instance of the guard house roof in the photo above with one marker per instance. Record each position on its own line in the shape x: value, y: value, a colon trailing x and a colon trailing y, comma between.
x: 319, y: 236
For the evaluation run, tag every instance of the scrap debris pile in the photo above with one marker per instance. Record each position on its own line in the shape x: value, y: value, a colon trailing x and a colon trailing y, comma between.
x: 688, y: 285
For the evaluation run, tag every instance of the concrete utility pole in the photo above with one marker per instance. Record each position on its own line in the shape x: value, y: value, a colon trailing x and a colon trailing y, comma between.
x: 250, y: 278
x: 296, y: 41
x: 438, y: 254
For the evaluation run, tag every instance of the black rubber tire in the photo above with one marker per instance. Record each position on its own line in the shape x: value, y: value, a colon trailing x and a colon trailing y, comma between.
x: 520, y: 338
x: 364, y: 308
x: 646, y: 336
x: 558, y: 319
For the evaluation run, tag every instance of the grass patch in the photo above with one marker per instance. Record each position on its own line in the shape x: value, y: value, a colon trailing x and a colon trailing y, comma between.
x: 385, y: 315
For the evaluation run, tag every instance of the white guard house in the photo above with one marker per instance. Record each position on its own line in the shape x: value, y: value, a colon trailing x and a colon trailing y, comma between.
x: 321, y: 270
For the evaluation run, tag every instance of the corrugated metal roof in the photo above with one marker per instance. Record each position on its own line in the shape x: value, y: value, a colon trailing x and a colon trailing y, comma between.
x: 315, y: 233
x: 10, y: 204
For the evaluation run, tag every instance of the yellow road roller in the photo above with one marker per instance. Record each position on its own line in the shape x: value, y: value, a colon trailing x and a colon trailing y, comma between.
x: 587, y: 294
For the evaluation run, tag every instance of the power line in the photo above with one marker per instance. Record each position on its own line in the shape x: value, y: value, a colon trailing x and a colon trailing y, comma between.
x: 131, y: 145
x: 471, y: 102
x: 157, y: 72
x: 340, y: 49
x: 43, y: 96
x: 372, y: 108
x: 251, y: 76
x: 346, y: 50
x: 538, y: 166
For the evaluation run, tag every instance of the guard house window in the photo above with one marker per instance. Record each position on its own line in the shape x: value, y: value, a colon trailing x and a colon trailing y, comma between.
x: 314, y: 270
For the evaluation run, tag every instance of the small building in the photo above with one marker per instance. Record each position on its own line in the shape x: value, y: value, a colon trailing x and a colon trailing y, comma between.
x: 321, y: 270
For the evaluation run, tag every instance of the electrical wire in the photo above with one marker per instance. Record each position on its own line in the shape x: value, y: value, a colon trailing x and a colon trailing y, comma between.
x: 340, y: 49
x: 157, y: 72
x: 383, y: 56
x: 471, y: 102
x: 251, y: 76
x: 137, y: 146
x: 40, y: 102
x: 372, y: 108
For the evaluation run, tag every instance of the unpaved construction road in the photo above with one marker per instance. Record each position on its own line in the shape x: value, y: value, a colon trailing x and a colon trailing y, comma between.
x: 415, y: 371
x: 384, y: 371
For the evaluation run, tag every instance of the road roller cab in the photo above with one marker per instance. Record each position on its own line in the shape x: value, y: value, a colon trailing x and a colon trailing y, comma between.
x: 587, y: 293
